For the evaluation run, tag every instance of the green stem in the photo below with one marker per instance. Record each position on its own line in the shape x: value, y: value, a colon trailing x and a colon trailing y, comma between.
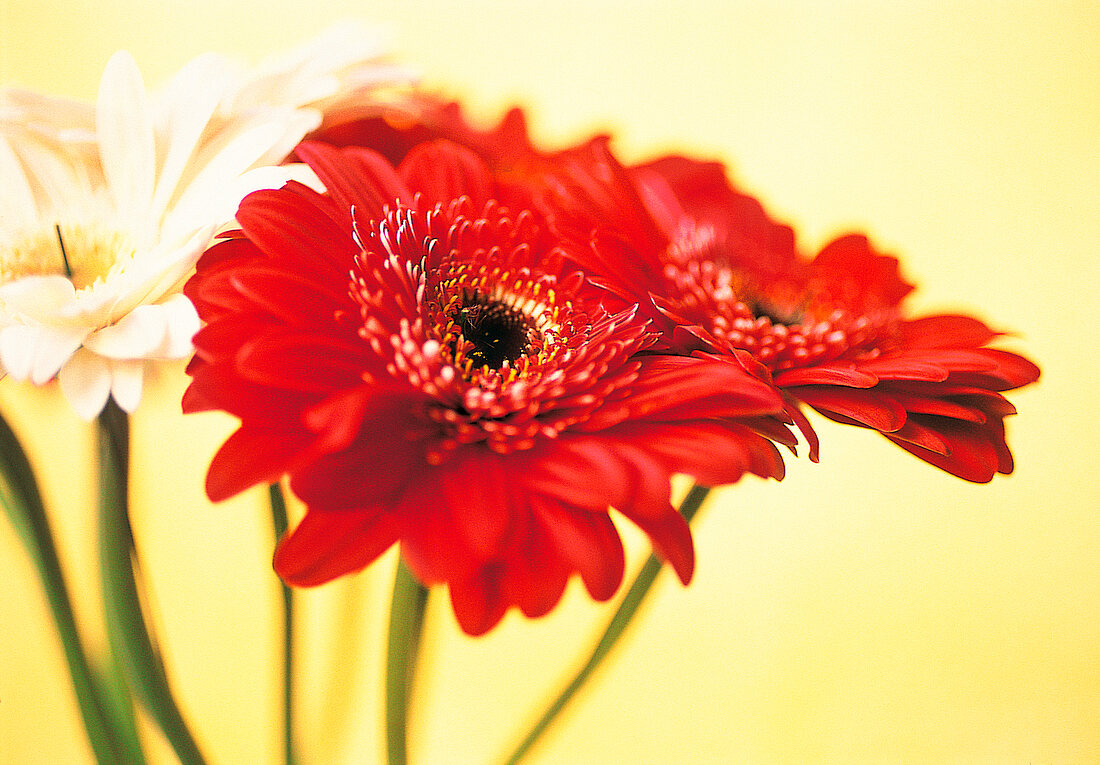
x: 21, y: 498
x: 127, y: 631
x: 637, y: 593
x: 410, y: 599
x: 279, y: 521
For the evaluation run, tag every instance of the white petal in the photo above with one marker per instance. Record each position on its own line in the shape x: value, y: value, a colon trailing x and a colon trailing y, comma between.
x: 17, y: 207
x: 126, y: 382
x: 160, y: 272
x: 221, y: 203
x: 190, y: 100
x: 17, y: 350
x: 86, y: 383
x: 183, y: 323
x: 234, y: 153
x: 37, y: 297
x: 300, y: 76
x: 51, y: 116
x: 134, y: 336
x: 54, y: 175
x: 56, y: 346
x: 126, y: 144
x: 36, y: 352
x: 303, y: 122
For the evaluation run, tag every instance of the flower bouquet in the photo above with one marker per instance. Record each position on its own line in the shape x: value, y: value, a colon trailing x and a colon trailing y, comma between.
x: 438, y: 336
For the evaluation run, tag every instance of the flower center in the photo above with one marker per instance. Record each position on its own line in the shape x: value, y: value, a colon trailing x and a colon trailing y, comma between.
x: 783, y: 321
x: 490, y: 334
x: 82, y: 253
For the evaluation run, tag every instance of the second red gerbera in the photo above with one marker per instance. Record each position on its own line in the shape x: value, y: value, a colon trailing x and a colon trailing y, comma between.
x: 709, y: 267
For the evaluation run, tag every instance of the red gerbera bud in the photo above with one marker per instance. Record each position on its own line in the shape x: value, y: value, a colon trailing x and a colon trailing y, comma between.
x: 718, y: 276
x: 428, y: 373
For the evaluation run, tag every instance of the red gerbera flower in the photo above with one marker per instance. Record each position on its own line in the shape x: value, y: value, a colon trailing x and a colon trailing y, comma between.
x: 428, y: 374
x: 396, y: 130
x: 718, y: 276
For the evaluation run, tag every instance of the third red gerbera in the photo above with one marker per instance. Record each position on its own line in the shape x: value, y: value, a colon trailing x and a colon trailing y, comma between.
x: 430, y: 374
x: 720, y: 277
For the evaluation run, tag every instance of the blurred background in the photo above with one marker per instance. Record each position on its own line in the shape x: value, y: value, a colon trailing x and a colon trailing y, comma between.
x: 867, y: 609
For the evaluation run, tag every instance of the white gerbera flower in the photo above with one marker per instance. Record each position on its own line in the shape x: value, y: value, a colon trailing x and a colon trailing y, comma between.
x: 104, y: 212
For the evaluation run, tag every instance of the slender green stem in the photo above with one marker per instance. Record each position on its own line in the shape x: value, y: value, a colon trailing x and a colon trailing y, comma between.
x: 127, y: 631
x: 21, y: 498
x: 279, y: 521
x: 410, y: 598
x: 622, y: 618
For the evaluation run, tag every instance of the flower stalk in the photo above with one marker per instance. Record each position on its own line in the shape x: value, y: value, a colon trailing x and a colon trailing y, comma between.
x: 111, y: 739
x: 624, y: 615
x: 279, y: 521
x: 127, y: 631
x: 410, y: 599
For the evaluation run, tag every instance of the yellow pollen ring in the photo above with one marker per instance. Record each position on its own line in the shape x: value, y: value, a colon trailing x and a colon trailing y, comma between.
x: 84, y: 254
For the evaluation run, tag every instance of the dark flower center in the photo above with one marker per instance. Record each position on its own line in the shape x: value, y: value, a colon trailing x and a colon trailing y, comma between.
x: 496, y: 333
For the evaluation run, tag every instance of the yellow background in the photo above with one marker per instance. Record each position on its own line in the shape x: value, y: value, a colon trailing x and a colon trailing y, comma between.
x: 867, y: 609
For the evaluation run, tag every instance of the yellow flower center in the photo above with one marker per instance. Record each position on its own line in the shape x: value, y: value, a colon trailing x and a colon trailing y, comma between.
x: 83, y: 253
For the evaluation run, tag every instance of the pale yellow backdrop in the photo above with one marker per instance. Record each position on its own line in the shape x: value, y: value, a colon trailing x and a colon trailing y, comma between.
x: 869, y: 608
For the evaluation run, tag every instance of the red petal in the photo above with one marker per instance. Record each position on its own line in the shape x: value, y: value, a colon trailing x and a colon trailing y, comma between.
x: 378, y: 467
x: 302, y: 237
x: 255, y: 454
x: 938, y: 406
x: 432, y: 541
x: 358, y: 179
x: 947, y: 331
x: 804, y: 427
x: 477, y: 602
x: 922, y: 436
x: 902, y: 368
x: 309, y: 362
x: 536, y: 574
x: 827, y: 374
x: 971, y: 453
x: 871, y: 408
x: 671, y: 538
x: 296, y: 297
x: 686, y: 387
x: 713, y: 453
x: 858, y: 276
x: 442, y: 171
x: 327, y: 545
x: 483, y: 493
x: 597, y: 473
x: 589, y: 543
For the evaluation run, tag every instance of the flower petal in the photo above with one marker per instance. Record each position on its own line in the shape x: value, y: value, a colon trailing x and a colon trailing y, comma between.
x: 254, y: 454
x: 478, y: 602
x: 443, y: 171
x: 135, y: 336
x: 39, y: 298
x: 127, y: 377
x: 126, y: 144
x: 671, y: 538
x: 37, y: 352
x: 190, y: 100
x: 17, y: 206
x: 86, y: 383
x: 326, y: 545
x: 872, y: 408
x: 590, y: 544
x: 357, y: 178
x: 183, y: 323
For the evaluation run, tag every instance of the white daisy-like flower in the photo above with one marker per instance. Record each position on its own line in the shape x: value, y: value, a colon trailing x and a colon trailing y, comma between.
x: 104, y: 210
